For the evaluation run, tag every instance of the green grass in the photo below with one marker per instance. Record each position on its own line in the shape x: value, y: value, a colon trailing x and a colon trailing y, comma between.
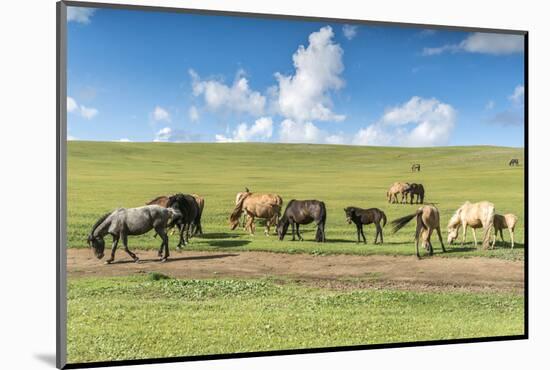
x: 104, y: 176
x: 143, y: 317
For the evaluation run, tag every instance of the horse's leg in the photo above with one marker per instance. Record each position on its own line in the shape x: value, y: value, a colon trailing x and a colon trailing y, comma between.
x: 431, y: 249
x: 363, y: 235
x: 323, y: 238
x: 464, y: 226
x: 113, y: 249
x: 440, y: 238
x: 381, y: 233
x: 358, y: 227
x: 475, y: 239
x: 181, y: 242
x: 376, y: 225
x: 511, y: 230
x: 417, y: 237
x: 125, y: 243
x: 164, y: 245
x: 298, y: 232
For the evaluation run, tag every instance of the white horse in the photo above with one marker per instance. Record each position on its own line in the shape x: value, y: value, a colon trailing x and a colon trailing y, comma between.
x: 476, y: 215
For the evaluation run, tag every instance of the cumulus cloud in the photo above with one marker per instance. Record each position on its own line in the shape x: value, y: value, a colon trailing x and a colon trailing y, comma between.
x: 418, y: 122
x: 349, y: 31
x: 483, y: 43
x: 168, y: 134
x: 79, y: 15
x: 83, y: 111
x: 237, y: 98
x: 305, y: 95
x: 262, y: 129
x: 164, y: 134
x: 71, y: 138
x: 193, y: 114
x: 517, y: 95
x: 124, y: 140
x: 160, y: 114
x: 306, y: 132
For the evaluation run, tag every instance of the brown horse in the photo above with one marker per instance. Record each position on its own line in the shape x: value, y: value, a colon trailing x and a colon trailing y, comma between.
x: 268, y: 198
x: 255, y: 206
x: 427, y: 220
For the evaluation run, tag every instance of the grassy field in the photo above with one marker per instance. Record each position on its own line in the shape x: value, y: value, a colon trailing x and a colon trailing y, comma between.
x: 104, y: 176
x: 140, y: 317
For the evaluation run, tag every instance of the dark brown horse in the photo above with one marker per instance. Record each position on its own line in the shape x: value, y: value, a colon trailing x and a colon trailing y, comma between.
x: 415, y: 189
x: 303, y: 212
x: 513, y: 162
x: 415, y: 167
x: 360, y: 217
x: 164, y: 200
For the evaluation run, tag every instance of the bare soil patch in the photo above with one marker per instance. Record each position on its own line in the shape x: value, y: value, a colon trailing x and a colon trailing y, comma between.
x: 332, y: 271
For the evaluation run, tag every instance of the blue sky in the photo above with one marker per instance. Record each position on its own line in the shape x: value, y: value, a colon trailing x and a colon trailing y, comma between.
x: 153, y: 76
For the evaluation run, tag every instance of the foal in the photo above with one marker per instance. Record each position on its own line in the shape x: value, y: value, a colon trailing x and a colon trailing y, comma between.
x: 362, y: 217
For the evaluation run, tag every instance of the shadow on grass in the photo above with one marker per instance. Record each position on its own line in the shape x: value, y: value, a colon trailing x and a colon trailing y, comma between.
x: 173, y: 259
x: 228, y: 243
x: 217, y: 236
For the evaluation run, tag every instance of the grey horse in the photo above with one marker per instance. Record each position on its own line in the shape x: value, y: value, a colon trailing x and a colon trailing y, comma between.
x: 132, y: 221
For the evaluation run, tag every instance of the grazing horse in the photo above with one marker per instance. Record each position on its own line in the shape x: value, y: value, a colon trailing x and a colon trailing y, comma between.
x: 513, y: 162
x: 303, y: 212
x: 418, y: 190
x: 362, y: 217
x: 507, y: 221
x: 476, y: 215
x: 415, y: 167
x: 132, y: 221
x: 166, y: 200
x: 395, y: 189
x: 190, y: 219
x: 427, y: 220
x: 253, y: 206
x: 268, y: 198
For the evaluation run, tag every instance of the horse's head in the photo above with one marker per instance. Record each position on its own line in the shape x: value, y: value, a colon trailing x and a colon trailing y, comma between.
x: 98, y: 245
x: 282, y: 228
x: 233, y: 223
x: 453, y: 226
x: 350, y: 213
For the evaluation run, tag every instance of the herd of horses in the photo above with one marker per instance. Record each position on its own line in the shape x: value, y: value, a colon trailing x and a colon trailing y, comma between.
x: 183, y: 212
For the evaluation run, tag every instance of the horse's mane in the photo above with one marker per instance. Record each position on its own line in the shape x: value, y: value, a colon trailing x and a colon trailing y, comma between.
x: 99, y: 222
x: 238, y: 208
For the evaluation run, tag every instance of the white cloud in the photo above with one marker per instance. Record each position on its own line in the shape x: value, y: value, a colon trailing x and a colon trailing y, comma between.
x: 164, y: 134
x: 80, y: 15
x: 238, y: 97
x: 304, y: 96
x: 85, y: 112
x: 194, y: 114
x: 484, y: 43
x: 88, y: 113
x: 71, y: 138
x: 418, y: 122
x: 262, y: 129
x: 517, y: 96
x: 161, y: 114
x: 125, y: 140
x: 71, y: 104
x: 306, y: 132
x: 349, y: 31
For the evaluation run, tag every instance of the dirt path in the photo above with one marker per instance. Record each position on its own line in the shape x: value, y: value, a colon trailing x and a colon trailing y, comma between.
x: 337, y: 271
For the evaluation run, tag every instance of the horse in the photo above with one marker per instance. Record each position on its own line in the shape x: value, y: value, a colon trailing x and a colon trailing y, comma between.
x: 189, y: 209
x: 123, y: 222
x: 303, y: 212
x: 427, y: 220
x: 395, y: 189
x: 268, y: 198
x: 415, y: 167
x: 164, y: 200
x: 253, y: 206
x: 513, y: 162
x: 415, y: 189
x: 362, y: 217
x: 476, y: 215
x: 507, y: 221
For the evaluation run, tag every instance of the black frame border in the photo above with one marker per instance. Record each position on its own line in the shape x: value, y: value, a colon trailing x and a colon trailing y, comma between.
x: 61, y: 184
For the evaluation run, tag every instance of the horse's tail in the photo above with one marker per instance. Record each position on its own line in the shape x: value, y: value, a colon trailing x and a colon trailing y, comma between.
x: 234, y: 217
x: 384, y: 219
x: 322, y: 221
x: 97, y: 223
x: 419, y: 225
x: 400, y: 222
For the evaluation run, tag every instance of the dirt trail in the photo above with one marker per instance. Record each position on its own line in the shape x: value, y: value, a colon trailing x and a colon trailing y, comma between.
x: 333, y: 271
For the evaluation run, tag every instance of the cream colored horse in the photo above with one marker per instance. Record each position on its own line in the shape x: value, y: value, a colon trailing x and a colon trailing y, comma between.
x: 507, y: 221
x: 476, y: 215
x: 395, y: 189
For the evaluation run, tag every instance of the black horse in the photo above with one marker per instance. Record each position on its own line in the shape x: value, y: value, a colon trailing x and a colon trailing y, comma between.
x: 303, y: 212
x: 513, y: 162
x: 418, y: 190
x: 361, y: 217
x: 190, y: 215
x: 415, y: 167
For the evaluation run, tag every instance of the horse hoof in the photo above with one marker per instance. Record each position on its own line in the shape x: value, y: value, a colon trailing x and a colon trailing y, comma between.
x: 108, y: 262
x: 137, y: 260
x: 162, y: 260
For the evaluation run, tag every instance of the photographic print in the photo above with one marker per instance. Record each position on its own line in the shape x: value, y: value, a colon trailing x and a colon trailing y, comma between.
x: 241, y: 184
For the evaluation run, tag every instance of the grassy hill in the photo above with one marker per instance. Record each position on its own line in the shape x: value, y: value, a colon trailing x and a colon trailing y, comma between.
x: 103, y: 176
